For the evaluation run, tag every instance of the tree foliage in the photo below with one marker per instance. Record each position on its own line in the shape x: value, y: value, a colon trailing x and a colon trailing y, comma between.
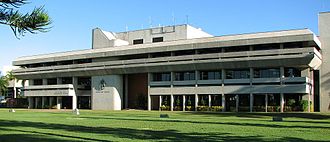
x: 4, y: 82
x: 36, y: 21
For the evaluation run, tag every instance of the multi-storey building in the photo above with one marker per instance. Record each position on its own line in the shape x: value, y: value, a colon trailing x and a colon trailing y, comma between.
x: 180, y: 68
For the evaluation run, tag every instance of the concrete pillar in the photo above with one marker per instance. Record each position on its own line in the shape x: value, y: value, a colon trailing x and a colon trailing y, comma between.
x: 58, y: 102
x: 223, y: 99
x: 266, y: 103
x: 51, y: 100
x: 36, y: 102
x: 282, y: 102
x: 44, y: 81
x: 31, y: 102
x: 149, y: 97
x: 172, y: 102
x: 160, y: 102
x: 210, y: 101
x: 74, y: 102
x: 196, y: 102
x: 183, y: 102
x: 59, y: 80
x: 223, y: 103
x: 251, y: 102
x: 43, y: 101
x: 126, y: 91
x: 237, y: 102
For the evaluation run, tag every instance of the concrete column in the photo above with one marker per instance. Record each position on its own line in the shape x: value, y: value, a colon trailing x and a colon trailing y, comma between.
x: 149, y: 97
x: 223, y: 103
x: 266, y: 103
x: 210, y: 101
x: 196, y: 102
x: 44, y: 81
x: 31, y: 102
x: 223, y: 99
x: 74, y: 102
x: 172, y: 102
x: 59, y: 80
x: 183, y: 102
x: 51, y: 99
x: 160, y: 102
x: 251, y: 102
x: 282, y: 102
x: 126, y: 91
x: 36, y: 102
x: 309, y: 102
x: 43, y: 100
x: 58, y: 102
x: 237, y: 102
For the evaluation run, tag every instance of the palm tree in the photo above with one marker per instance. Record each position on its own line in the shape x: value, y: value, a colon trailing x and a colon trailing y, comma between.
x: 37, y: 20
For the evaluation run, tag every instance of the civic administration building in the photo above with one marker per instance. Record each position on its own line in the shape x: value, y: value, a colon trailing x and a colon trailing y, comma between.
x: 182, y: 68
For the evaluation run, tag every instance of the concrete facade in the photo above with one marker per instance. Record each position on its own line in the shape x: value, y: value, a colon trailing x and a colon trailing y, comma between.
x: 324, y: 29
x: 184, y: 68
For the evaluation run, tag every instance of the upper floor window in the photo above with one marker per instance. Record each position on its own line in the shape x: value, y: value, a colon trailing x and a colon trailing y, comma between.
x: 37, y: 82
x: 165, y: 76
x: 267, y: 73
x: 51, y: 81
x: 266, y: 47
x: 238, y: 74
x: 181, y: 76
x: 66, y: 80
x: 292, y: 72
x: 138, y: 41
x: 157, y: 39
x: 210, y: 75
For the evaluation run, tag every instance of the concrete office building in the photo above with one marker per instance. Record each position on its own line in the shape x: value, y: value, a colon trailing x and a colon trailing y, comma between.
x: 180, y: 68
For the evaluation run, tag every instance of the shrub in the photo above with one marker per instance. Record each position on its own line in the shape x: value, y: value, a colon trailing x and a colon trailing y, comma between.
x: 189, y: 108
x: 216, y: 108
x: 202, y: 108
x: 304, y: 105
x: 291, y: 102
x: 163, y: 107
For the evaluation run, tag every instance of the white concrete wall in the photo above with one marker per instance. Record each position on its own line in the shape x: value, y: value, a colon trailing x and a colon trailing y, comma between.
x: 110, y: 97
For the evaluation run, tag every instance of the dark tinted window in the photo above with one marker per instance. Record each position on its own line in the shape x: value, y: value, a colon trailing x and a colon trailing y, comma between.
x: 157, y: 39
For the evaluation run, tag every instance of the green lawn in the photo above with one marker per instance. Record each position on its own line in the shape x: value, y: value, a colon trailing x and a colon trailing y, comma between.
x: 63, y: 126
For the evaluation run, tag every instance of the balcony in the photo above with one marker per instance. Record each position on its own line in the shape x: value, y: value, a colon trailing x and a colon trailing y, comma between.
x: 49, y: 90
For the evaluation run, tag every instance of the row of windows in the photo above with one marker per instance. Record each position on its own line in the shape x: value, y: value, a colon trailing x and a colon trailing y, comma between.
x: 155, y: 39
x: 229, y: 74
x: 179, y: 53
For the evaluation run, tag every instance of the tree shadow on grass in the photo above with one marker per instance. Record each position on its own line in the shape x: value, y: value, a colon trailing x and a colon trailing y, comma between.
x: 118, y: 133
x: 259, y: 115
x: 270, y: 123
x: 29, y: 138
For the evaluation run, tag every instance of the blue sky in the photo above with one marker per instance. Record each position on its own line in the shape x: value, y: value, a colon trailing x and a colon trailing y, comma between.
x: 74, y: 20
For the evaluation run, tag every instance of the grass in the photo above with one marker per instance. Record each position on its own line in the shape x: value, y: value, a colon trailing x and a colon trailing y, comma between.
x: 63, y: 126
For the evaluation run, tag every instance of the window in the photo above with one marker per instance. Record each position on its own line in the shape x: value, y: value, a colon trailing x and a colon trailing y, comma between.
x: 292, y: 72
x: 161, y: 76
x: 267, y: 73
x: 138, y: 41
x: 37, y: 82
x: 51, y: 81
x: 238, y: 74
x: 160, y: 54
x: 157, y: 39
x: 83, y: 61
x: 210, y: 75
x: 66, y: 80
x: 237, y: 49
x: 266, y: 47
x: 181, y: 76
x: 292, y: 45
x: 184, y: 52
x: 85, y: 82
